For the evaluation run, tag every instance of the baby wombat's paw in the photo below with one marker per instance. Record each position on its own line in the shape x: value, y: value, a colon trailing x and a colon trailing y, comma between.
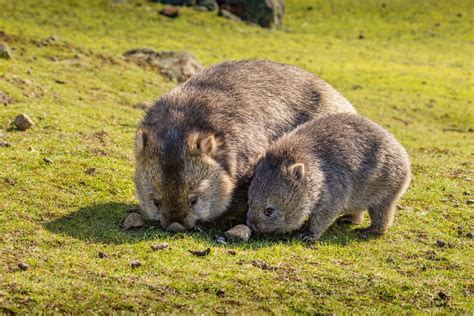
x: 370, y: 231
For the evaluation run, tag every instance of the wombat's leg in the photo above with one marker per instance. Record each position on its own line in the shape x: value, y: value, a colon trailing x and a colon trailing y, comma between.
x: 381, y: 216
x: 318, y: 224
x: 355, y: 218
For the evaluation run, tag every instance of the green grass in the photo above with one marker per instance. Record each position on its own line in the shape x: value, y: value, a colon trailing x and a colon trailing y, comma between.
x: 412, y: 73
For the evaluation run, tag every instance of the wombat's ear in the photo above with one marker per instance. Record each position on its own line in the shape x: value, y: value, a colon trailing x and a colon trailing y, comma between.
x: 141, y: 141
x: 207, y: 145
x: 296, y: 171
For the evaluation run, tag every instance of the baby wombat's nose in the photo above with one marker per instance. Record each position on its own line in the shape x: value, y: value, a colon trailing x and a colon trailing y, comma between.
x: 176, y: 228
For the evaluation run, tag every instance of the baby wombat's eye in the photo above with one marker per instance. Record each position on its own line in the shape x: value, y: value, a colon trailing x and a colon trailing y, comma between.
x: 156, y: 202
x: 193, y: 201
x: 269, y: 211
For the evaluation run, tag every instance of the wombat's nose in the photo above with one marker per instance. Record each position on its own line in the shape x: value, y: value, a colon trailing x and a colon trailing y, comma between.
x: 251, y: 224
x: 176, y: 228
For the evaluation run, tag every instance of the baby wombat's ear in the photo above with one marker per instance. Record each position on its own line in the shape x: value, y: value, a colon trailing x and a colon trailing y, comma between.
x: 141, y: 141
x: 296, y: 171
x: 203, y: 144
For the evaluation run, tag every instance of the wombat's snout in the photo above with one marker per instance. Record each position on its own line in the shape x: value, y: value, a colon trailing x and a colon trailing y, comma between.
x: 253, y: 226
x: 176, y: 228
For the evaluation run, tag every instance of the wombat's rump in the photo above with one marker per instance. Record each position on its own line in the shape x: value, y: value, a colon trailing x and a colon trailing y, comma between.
x: 197, y: 146
x: 340, y: 164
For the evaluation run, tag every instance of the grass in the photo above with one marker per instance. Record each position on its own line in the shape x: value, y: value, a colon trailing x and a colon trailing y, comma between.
x: 412, y: 73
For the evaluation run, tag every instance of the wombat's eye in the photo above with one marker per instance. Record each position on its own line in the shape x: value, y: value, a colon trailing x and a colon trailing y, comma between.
x: 156, y: 202
x: 269, y: 211
x: 193, y: 200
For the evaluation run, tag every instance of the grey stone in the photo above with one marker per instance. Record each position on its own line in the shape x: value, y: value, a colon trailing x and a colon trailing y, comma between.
x: 238, y: 233
x: 176, y: 66
x: 133, y: 220
x: 266, y: 13
x: 23, y: 122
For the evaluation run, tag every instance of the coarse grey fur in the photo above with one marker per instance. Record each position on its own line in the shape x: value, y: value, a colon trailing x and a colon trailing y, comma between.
x: 197, y: 145
x: 340, y: 164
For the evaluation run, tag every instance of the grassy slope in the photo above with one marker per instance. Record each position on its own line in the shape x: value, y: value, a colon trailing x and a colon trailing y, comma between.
x: 414, y: 68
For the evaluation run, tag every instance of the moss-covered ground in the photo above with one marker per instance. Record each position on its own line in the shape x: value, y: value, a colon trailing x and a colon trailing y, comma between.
x: 411, y: 72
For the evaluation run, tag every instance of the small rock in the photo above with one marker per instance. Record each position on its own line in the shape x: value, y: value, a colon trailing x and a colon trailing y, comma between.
x: 159, y: 246
x: 4, y: 99
x: 47, y: 160
x: 361, y: 35
x: 102, y: 255
x: 469, y: 235
x: 58, y: 81
x: 23, y: 266
x: 23, y: 122
x: 143, y: 105
x: 31, y: 148
x: 135, y: 264
x: 176, y: 66
x: 220, y: 240
x: 239, y: 232
x: 470, y: 202
x: 170, y: 12
x: 466, y: 193
x: 133, y: 220
x: 443, y: 296
x: 220, y: 292
x: 5, y: 51
x: 200, y: 253
x: 231, y: 252
x: 441, y: 243
x: 4, y: 144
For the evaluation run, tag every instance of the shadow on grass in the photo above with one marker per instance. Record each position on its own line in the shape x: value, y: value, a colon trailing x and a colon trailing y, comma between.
x: 101, y: 223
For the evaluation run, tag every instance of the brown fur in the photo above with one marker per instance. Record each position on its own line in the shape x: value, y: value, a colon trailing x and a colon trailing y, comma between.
x: 199, y: 142
x: 340, y: 164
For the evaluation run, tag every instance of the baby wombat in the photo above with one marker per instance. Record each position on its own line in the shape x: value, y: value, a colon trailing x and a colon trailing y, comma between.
x: 339, y: 164
x: 197, y: 145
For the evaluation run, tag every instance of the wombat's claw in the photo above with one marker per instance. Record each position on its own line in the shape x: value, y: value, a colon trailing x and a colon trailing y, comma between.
x: 307, y: 238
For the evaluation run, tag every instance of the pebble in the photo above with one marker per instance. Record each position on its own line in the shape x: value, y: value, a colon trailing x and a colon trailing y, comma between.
x: 133, y: 220
x: 170, y: 12
x: 159, y: 246
x: 220, y: 240
x: 220, y: 292
x: 4, y: 144
x: 238, y: 233
x: 466, y: 193
x: 470, y: 202
x: 135, y: 264
x: 441, y: 243
x: 102, y: 255
x: 23, y: 122
x: 47, y: 160
x: 201, y: 253
x: 23, y: 266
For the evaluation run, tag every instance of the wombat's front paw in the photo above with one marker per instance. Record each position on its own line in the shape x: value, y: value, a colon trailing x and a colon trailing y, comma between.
x: 308, y: 238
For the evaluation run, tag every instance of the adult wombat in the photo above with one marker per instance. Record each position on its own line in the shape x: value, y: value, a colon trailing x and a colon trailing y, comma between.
x: 197, y: 145
x: 339, y: 164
